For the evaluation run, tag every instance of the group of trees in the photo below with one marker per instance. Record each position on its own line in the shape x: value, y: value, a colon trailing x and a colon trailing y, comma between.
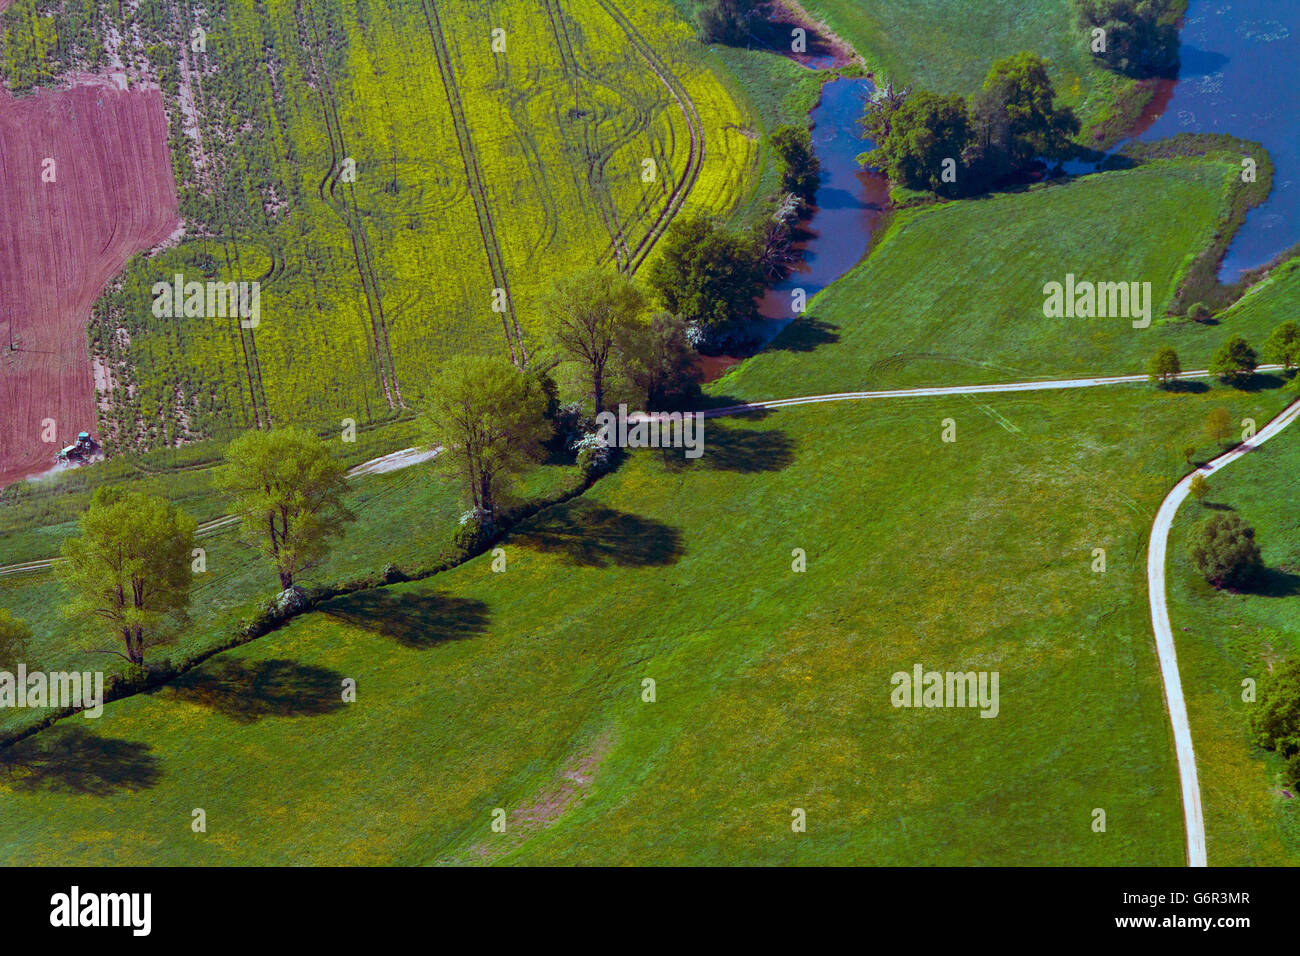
x: 129, y: 567
x: 1138, y: 38
x: 726, y: 21
x: 953, y: 147
x: 1234, y: 362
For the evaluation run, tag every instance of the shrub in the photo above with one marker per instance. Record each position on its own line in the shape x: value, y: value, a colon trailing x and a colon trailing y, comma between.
x: 1225, y: 551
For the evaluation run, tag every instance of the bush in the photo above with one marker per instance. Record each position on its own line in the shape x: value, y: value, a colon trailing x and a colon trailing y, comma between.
x: 1224, y: 550
x: 1275, y: 721
x: 1199, y: 312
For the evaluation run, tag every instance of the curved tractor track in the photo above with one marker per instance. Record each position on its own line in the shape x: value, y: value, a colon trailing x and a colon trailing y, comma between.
x: 695, y: 130
x: 474, y: 176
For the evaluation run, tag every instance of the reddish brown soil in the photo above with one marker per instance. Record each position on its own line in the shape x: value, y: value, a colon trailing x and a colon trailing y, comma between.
x: 113, y: 196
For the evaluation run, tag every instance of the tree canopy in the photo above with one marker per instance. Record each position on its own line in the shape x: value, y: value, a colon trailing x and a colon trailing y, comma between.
x: 1011, y: 122
x: 706, y: 273
x: 588, y: 314
x: 128, y: 568
x: 15, y: 639
x: 490, y: 419
x: 287, y: 490
x: 1164, y: 367
x: 1224, y: 549
x: 1235, y: 360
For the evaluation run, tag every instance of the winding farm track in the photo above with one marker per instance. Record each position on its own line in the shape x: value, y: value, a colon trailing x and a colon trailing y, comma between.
x: 1156, y: 556
x: 1156, y: 561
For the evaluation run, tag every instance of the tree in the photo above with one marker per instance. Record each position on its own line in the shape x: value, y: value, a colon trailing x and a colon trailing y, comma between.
x: 1163, y: 367
x: 706, y: 273
x: 1224, y: 550
x: 883, y: 104
x: 490, y: 419
x: 15, y: 638
x: 1188, y: 452
x: 800, y: 168
x: 1217, y: 424
x: 287, y: 489
x: 660, y: 362
x: 587, y: 313
x: 1199, y: 487
x: 1015, y: 119
x: 1275, y: 720
x: 1283, y: 346
x: 1235, y: 361
x: 128, y: 568
x: 726, y: 21
x: 1141, y: 36
x: 924, y: 131
x: 1199, y: 312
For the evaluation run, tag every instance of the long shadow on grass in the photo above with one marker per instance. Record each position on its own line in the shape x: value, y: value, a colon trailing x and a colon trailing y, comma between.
x: 413, y: 619
x: 77, y: 761
x: 805, y: 334
x: 1274, y: 582
x: 595, y: 536
x: 246, y: 692
x: 733, y: 448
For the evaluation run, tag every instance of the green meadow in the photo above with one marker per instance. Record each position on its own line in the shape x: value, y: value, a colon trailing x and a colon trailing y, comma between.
x: 953, y: 294
x: 948, y: 45
x: 1225, y: 638
x: 522, y: 689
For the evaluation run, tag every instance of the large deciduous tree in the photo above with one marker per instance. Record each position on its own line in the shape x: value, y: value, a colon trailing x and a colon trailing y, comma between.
x: 15, y: 639
x: 128, y: 568
x: 707, y: 274
x: 490, y: 419
x: 287, y: 490
x: 588, y: 312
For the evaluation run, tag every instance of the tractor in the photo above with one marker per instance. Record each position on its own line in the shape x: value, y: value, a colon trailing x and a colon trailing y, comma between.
x: 79, y: 450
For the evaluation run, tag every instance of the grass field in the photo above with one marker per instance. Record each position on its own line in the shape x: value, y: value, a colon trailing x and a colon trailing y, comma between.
x: 1224, y: 638
x: 948, y: 45
x: 980, y: 318
x: 521, y: 690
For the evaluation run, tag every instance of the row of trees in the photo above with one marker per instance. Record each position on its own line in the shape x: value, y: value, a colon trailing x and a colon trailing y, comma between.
x: 952, y: 147
x: 1234, y: 361
x: 711, y: 275
x: 129, y: 568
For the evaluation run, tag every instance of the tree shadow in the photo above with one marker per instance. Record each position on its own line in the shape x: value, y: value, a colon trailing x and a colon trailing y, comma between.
x: 1217, y: 506
x: 732, y: 448
x: 595, y: 536
x: 709, y: 402
x: 246, y: 692
x: 1273, y: 582
x: 1258, y: 382
x: 804, y: 335
x: 413, y: 619
x: 1186, y: 386
x: 77, y: 761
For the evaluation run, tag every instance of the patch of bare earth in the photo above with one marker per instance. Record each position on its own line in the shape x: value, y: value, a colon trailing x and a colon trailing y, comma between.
x: 546, y: 806
x: 86, y: 181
